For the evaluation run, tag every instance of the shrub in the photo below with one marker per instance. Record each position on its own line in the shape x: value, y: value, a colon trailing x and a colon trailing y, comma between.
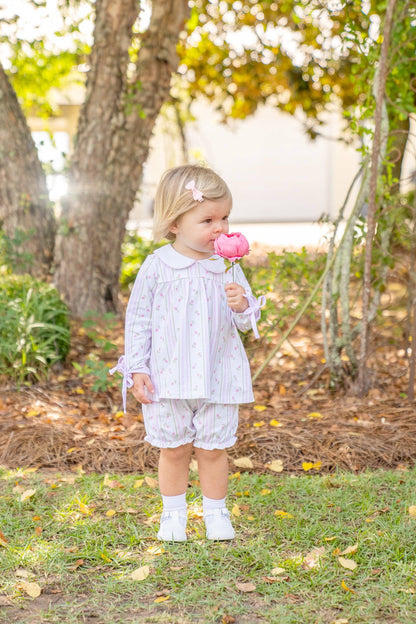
x: 34, y: 327
x: 135, y: 251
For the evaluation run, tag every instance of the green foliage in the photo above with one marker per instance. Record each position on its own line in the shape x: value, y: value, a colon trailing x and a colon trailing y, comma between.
x: 135, y: 251
x: 263, y: 66
x: 94, y: 369
x: 49, y: 54
x: 97, y: 370
x: 287, y: 280
x: 34, y: 330
x: 12, y: 254
x: 90, y: 324
x: 42, y: 70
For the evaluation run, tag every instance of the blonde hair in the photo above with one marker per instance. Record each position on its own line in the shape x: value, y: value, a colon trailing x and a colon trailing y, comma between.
x: 173, y: 199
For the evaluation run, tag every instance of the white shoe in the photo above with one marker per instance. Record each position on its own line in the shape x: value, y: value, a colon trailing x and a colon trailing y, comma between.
x: 218, y: 525
x: 173, y: 526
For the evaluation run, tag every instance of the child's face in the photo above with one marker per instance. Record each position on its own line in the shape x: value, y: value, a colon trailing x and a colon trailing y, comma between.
x: 197, y: 229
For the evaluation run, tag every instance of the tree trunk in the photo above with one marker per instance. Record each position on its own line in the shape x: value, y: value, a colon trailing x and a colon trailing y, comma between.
x: 24, y: 202
x: 372, y: 197
x: 111, y: 147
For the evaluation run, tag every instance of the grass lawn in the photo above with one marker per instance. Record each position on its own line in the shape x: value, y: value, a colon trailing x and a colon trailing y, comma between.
x: 310, y: 549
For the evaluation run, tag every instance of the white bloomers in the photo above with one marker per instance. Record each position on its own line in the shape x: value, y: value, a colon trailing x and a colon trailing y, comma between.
x: 174, y: 422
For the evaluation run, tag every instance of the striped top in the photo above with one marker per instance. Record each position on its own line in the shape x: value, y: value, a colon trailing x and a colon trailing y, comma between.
x: 180, y: 330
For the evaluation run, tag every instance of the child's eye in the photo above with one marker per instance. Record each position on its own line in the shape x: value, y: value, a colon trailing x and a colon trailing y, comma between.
x: 225, y: 218
x: 207, y: 220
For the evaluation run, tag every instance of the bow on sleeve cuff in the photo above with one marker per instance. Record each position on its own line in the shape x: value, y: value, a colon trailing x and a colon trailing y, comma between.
x: 252, y: 313
x: 127, y: 376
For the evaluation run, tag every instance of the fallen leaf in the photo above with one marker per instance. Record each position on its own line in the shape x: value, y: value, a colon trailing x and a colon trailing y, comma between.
x: 138, y: 483
x: 347, y: 563
x: 340, y: 621
x: 260, y: 408
x: 348, y: 589
x: 350, y: 550
x: 161, y: 599
x: 79, y: 390
x: 277, y: 571
x: 155, y: 550
x: 38, y: 531
x: 276, y: 465
x: 311, y: 465
x: 313, y: 558
x: 111, y: 483
x: 261, y: 423
x: 152, y: 483
x: 27, y: 494
x: 275, y: 423
x: 228, y: 619
x: 282, y: 514
x: 78, y: 563
x: 84, y: 508
x: 246, y: 587
x: 265, y: 491
x: 31, y: 589
x: 193, y: 466
x: 282, y: 390
x: 412, y: 511
x: 140, y: 574
x: 314, y: 415
x: 110, y: 513
x: 243, y: 462
x: 236, y: 510
x: 3, y: 540
x: 23, y: 573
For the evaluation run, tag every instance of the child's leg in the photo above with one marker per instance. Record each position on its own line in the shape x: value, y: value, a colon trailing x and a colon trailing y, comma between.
x: 174, y: 469
x: 213, y: 472
x: 173, y: 481
x: 213, y: 475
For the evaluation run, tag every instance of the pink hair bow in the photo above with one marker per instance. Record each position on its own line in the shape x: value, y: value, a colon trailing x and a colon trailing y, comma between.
x: 197, y: 195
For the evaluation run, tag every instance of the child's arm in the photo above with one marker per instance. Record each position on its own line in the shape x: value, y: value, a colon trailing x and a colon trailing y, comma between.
x: 246, y: 317
x: 138, y: 328
x: 142, y: 384
x: 236, y: 297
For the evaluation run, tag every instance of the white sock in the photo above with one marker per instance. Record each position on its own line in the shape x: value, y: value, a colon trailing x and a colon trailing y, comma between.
x: 212, y: 503
x: 174, y: 503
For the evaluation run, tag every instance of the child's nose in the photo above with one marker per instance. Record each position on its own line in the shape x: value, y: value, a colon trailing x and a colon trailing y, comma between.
x: 220, y: 226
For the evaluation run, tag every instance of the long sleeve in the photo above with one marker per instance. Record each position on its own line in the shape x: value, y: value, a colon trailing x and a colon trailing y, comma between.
x: 138, y: 327
x: 248, y: 319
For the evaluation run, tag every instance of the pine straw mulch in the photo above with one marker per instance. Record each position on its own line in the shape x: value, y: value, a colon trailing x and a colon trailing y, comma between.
x: 64, y: 425
x: 350, y: 435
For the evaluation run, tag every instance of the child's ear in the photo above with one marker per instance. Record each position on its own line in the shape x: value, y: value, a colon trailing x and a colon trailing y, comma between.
x: 174, y: 228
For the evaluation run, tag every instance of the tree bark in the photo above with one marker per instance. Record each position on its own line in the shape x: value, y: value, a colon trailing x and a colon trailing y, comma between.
x: 372, y: 196
x: 24, y: 202
x: 112, y: 145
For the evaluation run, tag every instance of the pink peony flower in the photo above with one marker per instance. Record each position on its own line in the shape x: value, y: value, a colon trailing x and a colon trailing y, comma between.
x: 231, y: 246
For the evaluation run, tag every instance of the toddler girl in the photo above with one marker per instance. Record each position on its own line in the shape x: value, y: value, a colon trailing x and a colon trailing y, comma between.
x: 184, y: 358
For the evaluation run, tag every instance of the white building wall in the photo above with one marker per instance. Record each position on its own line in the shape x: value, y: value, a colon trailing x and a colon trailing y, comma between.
x: 275, y: 172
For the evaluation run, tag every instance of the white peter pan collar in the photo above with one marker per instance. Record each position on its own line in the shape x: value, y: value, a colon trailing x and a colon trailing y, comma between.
x: 176, y: 260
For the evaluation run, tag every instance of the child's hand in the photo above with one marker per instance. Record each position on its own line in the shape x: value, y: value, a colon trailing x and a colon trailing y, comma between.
x: 235, y: 297
x: 141, y: 382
